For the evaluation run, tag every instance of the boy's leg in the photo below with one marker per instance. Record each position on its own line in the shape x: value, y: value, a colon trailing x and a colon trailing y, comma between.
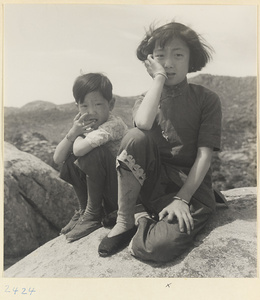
x: 73, y: 175
x: 76, y: 177
x: 99, y: 167
x: 162, y: 241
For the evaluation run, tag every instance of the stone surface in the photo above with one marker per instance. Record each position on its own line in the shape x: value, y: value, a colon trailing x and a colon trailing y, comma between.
x: 225, y: 248
x: 37, y: 203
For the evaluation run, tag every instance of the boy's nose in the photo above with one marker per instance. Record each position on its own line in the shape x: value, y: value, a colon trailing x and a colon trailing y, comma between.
x: 91, y: 110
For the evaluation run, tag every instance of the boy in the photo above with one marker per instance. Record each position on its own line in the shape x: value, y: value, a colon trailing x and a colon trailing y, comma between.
x: 94, y: 139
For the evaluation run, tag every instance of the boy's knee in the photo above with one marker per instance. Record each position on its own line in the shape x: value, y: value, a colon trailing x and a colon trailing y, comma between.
x: 94, y: 156
x: 69, y: 171
x: 93, y: 160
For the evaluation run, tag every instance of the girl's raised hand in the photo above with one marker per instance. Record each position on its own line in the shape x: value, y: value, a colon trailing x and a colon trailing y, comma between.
x: 181, y: 211
x: 152, y: 66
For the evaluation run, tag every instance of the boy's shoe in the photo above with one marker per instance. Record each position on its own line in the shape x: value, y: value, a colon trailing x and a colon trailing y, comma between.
x: 83, y: 228
x: 73, y: 222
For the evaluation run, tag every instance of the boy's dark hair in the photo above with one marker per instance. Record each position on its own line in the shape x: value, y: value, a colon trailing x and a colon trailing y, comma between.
x: 91, y: 82
x: 200, y: 53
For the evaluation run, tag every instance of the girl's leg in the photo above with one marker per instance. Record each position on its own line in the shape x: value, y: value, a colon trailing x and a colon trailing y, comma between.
x: 138, y: 163
x: 99, y: 167
x: 128, y: 191
x: 162, y: 241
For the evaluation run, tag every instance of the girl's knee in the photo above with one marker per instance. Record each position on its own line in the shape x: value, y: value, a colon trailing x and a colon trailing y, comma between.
x: 136, y: 137
x: 159, y: 247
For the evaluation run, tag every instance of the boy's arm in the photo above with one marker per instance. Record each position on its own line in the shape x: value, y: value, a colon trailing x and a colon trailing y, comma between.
x: 65, y: 146
x: 63, y: 149
x: 196, y: 175
x: 82, y: 146
x: 113, y: 129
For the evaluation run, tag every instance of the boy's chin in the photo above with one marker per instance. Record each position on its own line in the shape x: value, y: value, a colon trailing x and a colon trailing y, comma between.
x: 94, y: 127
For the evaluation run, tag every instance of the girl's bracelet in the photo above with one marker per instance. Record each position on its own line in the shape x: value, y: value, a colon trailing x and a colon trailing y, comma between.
x: 67, y: 137
x: 178, y: 198
x: 160, y: 73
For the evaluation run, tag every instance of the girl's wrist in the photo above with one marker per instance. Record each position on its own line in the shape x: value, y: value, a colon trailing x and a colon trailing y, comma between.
x: 160, y: 74
x: 181, y: 199
x: 70, y: 138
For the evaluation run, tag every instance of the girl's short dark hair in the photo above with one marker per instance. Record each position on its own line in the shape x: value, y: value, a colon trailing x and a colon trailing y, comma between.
x: 200, y: 52
x: 91, y: 82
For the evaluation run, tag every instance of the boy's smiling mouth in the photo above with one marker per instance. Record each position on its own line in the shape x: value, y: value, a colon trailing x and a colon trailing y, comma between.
x: 93, y: 120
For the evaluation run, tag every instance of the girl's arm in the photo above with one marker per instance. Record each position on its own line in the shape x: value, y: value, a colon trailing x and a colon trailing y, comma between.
x: 147, y: 110
x: 65, y: 146
x: 196, y: 175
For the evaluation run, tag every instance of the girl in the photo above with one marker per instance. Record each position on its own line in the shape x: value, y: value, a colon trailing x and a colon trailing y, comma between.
x: 167, y: 157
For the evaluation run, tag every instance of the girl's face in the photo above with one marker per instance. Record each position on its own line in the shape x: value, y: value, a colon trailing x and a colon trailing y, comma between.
x: 174, y: 57
x: 96, y: 107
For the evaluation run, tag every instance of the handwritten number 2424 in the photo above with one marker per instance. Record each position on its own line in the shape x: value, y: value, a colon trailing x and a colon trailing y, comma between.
x: 23, y: 291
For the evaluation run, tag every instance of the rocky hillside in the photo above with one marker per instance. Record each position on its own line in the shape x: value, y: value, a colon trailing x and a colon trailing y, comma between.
x: 38, y: 126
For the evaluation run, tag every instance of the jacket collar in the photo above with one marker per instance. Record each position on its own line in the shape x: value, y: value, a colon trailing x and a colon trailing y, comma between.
x: 175, y: 90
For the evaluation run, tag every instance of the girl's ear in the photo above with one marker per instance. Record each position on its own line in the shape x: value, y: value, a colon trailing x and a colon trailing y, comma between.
x: 112, y: 103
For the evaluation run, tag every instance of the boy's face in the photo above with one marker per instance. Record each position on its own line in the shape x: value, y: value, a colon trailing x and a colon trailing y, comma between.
x: 96, y: 107
x: 174, y: 57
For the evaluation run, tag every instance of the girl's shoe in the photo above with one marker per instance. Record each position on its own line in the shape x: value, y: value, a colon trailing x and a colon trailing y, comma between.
x: 110, y: 219
x: 111, y: 245
x: 83, y: 228
x: 73, y: 222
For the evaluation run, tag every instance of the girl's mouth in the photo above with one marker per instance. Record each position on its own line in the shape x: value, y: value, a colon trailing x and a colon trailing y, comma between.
x: 169, y: 75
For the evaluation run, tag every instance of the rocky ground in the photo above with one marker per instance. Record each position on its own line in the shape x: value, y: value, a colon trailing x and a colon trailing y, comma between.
x: 227, y: 248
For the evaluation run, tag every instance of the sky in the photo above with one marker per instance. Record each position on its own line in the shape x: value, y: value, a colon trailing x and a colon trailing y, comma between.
x: 46, y: 46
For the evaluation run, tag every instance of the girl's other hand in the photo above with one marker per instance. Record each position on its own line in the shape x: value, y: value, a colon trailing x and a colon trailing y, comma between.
x: 152, y: 66
x: 181, y: 211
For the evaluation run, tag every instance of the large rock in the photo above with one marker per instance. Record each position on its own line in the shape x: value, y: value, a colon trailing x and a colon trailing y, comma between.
x: 37, y: 203
x: 225, y: 248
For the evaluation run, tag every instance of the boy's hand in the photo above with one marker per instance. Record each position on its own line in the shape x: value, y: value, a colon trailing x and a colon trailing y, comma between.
x: 152, y: 66
x: 181, y: 211
x: 80, y: 126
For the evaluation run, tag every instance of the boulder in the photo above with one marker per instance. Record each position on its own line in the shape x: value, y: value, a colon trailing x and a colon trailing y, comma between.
x: 37, y: 203
x: 226, y: 248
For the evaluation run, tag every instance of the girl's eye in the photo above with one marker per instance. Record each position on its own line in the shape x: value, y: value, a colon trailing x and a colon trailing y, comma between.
x: 159, y: 55
x: 179, y: 55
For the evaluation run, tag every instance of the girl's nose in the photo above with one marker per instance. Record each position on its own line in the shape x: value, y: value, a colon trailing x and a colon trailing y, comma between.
x: 168, y: 63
